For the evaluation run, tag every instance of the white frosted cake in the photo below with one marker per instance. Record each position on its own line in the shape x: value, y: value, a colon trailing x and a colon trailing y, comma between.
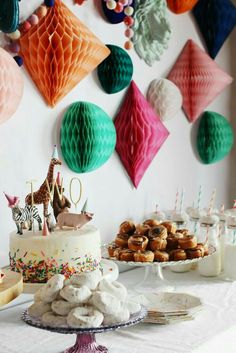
x: 64, y: 251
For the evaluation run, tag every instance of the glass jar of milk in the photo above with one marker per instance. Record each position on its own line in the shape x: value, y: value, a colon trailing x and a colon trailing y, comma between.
x: 209, y: 231
x: 181, y: 220
x: 194, y: 224
x: 230, y: 249
x: 222, y: 237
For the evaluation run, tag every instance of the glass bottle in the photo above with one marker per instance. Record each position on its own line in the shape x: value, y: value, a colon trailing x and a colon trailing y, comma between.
x: 230, y: 249
x: 181, y: 220
x: 222, y: 236
x: 194, y: 224
x: 208, y: 233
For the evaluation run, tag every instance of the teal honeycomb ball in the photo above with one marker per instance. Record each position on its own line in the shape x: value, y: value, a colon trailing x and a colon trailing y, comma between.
x: 9, y: 15
x: 88, y: 137
x: 215, y: 137
x: 116, y: 71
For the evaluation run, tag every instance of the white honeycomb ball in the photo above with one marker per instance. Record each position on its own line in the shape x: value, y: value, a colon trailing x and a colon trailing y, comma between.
x: 165, y: 98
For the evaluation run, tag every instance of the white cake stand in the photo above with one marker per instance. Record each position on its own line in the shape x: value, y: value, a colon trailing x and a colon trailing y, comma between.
x: 153, y: 280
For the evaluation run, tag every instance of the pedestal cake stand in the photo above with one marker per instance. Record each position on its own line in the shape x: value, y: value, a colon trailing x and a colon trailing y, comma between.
x: 85, y: 340
x: 153, y: 280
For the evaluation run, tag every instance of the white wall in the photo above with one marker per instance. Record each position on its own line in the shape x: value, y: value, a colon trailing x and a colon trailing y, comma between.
x: 26, y: 140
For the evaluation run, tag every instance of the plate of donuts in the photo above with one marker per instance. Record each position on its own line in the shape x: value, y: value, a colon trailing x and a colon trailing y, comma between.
x: 153, y: 242
x: 157, y: 257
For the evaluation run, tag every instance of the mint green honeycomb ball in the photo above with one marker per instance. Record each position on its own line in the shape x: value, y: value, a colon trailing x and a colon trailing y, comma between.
x: 215, y: 137
x: 88, y: 137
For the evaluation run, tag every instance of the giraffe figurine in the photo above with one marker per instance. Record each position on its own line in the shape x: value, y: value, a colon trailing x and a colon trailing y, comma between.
x: 42, y: 196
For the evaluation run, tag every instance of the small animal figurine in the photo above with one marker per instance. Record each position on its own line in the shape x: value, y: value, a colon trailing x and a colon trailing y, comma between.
x: 22, y: 215
x: 74, y: 220
x: 51, y: 223
x: 42, y: 196
x: 60, y: 202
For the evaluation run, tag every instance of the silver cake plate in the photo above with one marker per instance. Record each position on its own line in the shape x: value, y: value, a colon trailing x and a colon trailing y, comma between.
x: 85, y: 340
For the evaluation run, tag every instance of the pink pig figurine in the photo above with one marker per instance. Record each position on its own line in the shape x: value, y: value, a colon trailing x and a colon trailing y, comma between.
x: 74, y: 220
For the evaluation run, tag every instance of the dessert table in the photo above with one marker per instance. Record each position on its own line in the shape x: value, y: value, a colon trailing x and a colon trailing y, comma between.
x: 212, y: 330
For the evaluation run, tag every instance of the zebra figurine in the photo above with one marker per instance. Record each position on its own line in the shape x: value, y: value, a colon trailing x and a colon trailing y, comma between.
x: 26, y: 214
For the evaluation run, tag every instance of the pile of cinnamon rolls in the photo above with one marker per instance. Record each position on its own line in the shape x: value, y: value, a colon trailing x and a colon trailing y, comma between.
x: 154, y: 241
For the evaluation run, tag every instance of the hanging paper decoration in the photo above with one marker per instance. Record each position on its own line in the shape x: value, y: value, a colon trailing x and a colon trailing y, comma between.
x: 115, y: 11
x: 9, y: 15
x: 199, y: 79
x: 59, y: 52
x: 140, y: 134
x: 165, y: 98
x: 11, y: 86
x: 216, y: 20
x: 116, y: 71
x: 215, y: 137
x: 181, y: 6
x: 88, y: 137
x: 151, y: 30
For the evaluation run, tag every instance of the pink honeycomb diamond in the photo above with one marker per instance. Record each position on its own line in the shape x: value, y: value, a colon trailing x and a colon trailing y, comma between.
x: 199, y: 79
x: 140, y: 134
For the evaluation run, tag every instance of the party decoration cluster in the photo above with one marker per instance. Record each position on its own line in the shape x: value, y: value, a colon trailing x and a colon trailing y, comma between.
x: 199, y: 79
x: 216, y: 20
x: 152, y: 30
x: 11, y: 86
x: 59, y: 52
x: 118, y: 11
x: 181, y: 6
x: 140, y: 134
x: 13, y: 35
x: 88, y: 137
x: 115, y: 72
x: 215, y: 137
x: 165, y: 98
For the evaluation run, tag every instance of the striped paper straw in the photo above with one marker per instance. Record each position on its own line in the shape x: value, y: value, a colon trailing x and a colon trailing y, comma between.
x: 199, y: 197
x: 182, y: 200
x: 211, y: 202
x: 176, y: 199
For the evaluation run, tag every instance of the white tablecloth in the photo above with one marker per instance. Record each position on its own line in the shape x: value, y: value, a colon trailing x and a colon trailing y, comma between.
x: 212, y: 331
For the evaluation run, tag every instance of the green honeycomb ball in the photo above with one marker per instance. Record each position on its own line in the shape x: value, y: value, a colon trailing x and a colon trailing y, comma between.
x: 88, y: 137
x: 116, y: 71
x: 215, y: 137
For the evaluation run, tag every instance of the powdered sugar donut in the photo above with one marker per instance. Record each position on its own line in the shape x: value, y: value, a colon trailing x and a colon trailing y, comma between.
x: 106, y: 303
x: 115, y: 288
x: 54, y: 320
x: 38, y: 295
x: 62, y: 307
x: 51, y: 290
x: 122, y: 316
x: 76, y: 294
x: 85, y: 316
x: 38, y: 309
x: 132, y: 306
x: 89, y: 279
